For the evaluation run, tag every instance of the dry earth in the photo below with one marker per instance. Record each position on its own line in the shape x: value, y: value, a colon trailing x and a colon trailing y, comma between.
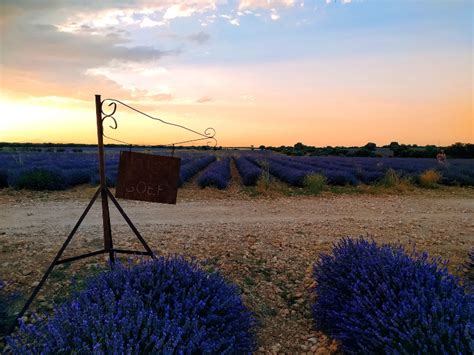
x: 264, y: 244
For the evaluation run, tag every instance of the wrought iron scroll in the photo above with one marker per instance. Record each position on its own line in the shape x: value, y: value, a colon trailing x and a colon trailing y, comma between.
x: 208, y: 134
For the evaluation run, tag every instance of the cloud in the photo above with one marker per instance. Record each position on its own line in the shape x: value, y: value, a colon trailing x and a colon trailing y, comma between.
x: 274, y: 15
x: 199, y: 38
x: 271, y: 5
x: 147, y: 22
x: 264, y: 4
x: 43, y: 61
x: 58, y: 48
x: 232, y: 21
x: 342, y: 1
x: 141, y: 13
x: 247, y: 97
x: 204, y: 99
x: 151, y: 95
x: 186, y: 9
x: 54, y: 49
x: 149, y: 76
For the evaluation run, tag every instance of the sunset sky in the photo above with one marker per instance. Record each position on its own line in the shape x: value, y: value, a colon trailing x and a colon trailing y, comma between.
x: 258, y: 71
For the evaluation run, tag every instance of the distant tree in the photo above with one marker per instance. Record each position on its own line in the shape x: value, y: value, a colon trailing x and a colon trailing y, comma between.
x: 393, y: 145
x: 430, y: 151
x: 460, y: 150
x: 364, y: 152
x: 371, y: 146
x: 299, y: 146
x: 262, y: 147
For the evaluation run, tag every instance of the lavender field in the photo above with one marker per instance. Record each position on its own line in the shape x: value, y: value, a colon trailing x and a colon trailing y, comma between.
x: 61, y: 170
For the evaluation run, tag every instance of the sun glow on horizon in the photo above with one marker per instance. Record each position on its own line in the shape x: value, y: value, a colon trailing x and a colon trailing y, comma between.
x: 321, y: 73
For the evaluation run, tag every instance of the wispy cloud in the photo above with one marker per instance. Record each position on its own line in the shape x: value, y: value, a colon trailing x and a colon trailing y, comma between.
x: 274, y: 15
x: 264, y: 4
x: 61, y: 59
x: 204, y: 99
x: 128, y: 13
x: 199, y: 38
x: 341, y: 1
x: 147, y: 22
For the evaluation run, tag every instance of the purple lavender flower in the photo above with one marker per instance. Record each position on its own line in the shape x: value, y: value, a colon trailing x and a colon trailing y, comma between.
x: 377, y: 299
x: 162, y: 306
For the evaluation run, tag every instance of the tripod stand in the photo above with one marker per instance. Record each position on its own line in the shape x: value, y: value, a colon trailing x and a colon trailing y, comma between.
x: 105, y: 195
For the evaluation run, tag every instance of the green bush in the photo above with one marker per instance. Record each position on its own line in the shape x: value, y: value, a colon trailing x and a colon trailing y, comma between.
x: 263, y: 182
x: 40, y: 179
x: 315, y: 183
x: 390, y: 179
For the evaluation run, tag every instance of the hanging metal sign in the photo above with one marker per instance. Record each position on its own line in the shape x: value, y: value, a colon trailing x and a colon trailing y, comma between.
x: 147, y: 177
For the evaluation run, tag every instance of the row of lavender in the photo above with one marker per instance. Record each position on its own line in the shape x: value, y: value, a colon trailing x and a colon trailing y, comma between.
x: 58, y: 171
x: 338, y: 171
x: 353, y: 171
x: 52, y: 171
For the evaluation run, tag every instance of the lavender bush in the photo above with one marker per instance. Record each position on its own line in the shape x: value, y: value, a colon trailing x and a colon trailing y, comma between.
x: 377, y: 299
x: 188, y: 170
x: 248, y: 171
x: 340, y: 177
x: 3, y: 179
x: 165, y: 306
x: 4, y: 310
x: 469, y: 270
x: 39, y: 179
x: 217, y: 174
x: 10, y: 303
x: 80, y: 168
x: 294, y: 177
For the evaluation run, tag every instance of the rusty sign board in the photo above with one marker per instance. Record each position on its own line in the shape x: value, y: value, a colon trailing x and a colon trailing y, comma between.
x: 147, y: 177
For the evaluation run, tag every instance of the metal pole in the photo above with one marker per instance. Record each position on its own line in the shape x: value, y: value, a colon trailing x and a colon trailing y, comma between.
x: 108, y: 246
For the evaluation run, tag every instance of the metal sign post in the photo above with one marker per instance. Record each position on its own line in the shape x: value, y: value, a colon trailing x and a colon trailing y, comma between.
x: 108, y: 246
x: 105, y: 194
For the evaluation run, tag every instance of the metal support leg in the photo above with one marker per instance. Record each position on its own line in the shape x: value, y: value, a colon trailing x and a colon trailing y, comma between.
x: 129, y: 222
x: 58, y: 255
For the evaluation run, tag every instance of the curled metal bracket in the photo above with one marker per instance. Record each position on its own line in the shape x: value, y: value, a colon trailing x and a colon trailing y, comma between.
x: 208, y: 134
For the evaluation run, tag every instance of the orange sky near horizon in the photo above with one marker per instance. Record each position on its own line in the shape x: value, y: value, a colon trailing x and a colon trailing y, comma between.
x: 318, y: 115
x: 410, y: 95
x: 68, y: 124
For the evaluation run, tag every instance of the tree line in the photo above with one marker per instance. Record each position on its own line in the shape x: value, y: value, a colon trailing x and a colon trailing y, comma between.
x: 456, y: 150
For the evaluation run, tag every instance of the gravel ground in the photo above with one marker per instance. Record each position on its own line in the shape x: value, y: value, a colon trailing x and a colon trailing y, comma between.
x: 264, y: 244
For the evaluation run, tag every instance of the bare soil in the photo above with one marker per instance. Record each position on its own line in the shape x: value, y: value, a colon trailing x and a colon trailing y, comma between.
x: 265, y: 244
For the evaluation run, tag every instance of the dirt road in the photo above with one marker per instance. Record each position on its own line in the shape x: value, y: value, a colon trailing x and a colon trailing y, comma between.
x: 265, y: 245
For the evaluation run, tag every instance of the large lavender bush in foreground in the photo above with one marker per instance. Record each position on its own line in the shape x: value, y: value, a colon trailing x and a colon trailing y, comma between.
x: 469, y: 270
x: 165, y: 306
x: 377, y: 299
